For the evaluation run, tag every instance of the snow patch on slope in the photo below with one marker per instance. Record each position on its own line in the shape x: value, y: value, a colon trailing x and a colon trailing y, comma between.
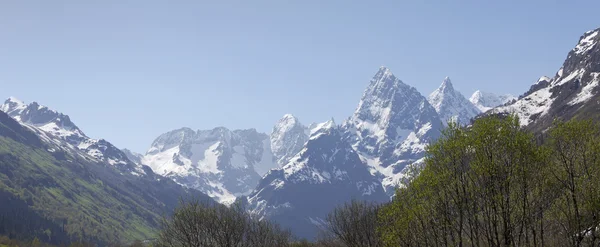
x: 486, y: 101
x: 587, y: 91
x: 586, y: 43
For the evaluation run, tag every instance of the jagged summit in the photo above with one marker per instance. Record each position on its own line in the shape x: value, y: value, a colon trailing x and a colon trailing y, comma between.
x: 12, y: 104
x: 387, y: 105
x: 14, y: 100
x: 587, y: 41
x: 324, y: 174
x: 287, y: 138
x: 569, y: 93
x: 220, y: 162
x: 542, y: 79
x: 391, y: 125
x: 446, y: 85
x: 323, y: 127
x: 57, y: 128
x: 451, y: 105
x: 437, y: 97
x: 383, y: 84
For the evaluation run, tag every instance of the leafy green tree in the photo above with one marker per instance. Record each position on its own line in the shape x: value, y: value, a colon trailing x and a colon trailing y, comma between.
x: 576, y: 166
x: 485, y: 185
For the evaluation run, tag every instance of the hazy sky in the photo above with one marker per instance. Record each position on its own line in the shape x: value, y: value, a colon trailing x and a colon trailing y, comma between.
x: 127, y: 71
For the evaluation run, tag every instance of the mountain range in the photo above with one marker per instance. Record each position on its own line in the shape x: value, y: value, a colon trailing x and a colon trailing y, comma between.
x: 363, y: 158
x: 294, y: 175
x: 59, y: 185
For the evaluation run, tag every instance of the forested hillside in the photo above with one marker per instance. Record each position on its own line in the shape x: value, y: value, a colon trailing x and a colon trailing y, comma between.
x: 495, y: 184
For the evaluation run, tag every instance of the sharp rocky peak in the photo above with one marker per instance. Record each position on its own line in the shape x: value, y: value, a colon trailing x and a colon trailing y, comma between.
x: 392, y: 123
x: 287, y: 138
x: 57, y: 128
x: 451, y: 105
x: 446, y: 85
x: 40, y: 116
x: 384, y: 80
x: 386, y: 97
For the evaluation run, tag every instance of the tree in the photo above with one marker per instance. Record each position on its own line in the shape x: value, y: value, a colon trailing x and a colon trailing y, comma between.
x: 485, y: 185
x: 354, y: 224
x: 203, y: 223
x: 575, y: 149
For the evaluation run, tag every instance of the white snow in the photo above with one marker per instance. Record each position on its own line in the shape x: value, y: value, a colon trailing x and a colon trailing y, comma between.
x: 575, y: 74
x: 586, y: 43
x: 390, y: 179
x: 238, y: 158
x: 451, y: 105
x: 53, y: 129
x: 486, y: 101
x: 586, y: 92
x: 366, y: 188
x: 116, y: 162
x: 162, y: 163
x: 543, y: 78
x: 13, y: 104
x: 321, y: 129
x: 277, y: 183
x: 209, y: 163
x: 537, y: 102
x: 220, y: 194
x: 323, y: 126
x: 267, y: 161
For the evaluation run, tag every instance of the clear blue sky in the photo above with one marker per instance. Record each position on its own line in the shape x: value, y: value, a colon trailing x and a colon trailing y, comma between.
x: 127, y: 71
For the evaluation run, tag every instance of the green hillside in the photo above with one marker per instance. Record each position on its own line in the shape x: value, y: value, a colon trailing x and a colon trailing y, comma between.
x: 59, y: 196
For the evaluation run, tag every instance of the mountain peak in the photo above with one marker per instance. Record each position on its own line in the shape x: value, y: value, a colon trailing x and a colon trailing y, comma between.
x: 446, y: 86
x: 441, y: 94
x: 326, y: 126
x: 289, y: 116
x: 587, y: 41
x: 287, y: 121
x: 446, y: 82
x: 12, y: 99
x: 451, y: 105
x: 12, y: 104
x: 384, y: 69
x: 384, y: 77
x: 287, y: 138
x: 543, y: 78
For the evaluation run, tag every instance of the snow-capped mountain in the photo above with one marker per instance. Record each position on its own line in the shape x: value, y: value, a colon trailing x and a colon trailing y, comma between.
x: 44, y: 151
x: 221, y: 163
x: 55, y: 127
x: 485, y: 101
x: 391, y: 127
x: 572, y: 92
x: 287, y: 139
x: 324, y: 174
x: 364, y: 158
x: 133, y: 156
x: 451, y: 105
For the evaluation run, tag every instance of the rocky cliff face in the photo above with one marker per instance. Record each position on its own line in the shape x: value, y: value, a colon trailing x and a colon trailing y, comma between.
x: 287, y: 139
x: 325, y: 173
x: 391, y: 127
x: 572, y: 92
